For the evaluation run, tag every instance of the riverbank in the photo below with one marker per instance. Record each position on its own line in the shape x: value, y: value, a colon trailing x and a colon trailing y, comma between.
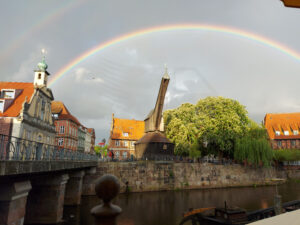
x: 143, y: 176
x: 167, y: 207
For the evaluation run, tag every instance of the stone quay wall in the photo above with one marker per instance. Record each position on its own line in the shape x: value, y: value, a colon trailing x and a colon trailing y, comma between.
x: 158, y: 176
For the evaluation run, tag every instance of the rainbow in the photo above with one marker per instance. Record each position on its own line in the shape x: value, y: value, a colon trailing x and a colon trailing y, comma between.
x: 214, y: 28
x: 42, y: 23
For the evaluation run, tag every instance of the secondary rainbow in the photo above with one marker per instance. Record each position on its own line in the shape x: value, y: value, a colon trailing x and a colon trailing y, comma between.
x: 40, y: 24
x: 214, y: 28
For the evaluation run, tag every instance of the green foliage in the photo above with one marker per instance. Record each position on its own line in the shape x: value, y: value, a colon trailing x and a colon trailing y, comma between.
x: 181, y: 127
x: 287, y: 155
x: 216, y: 121
x: 101, y: 150
x: 222, y: 121
x: 195, y: 151
x: 254, y: 147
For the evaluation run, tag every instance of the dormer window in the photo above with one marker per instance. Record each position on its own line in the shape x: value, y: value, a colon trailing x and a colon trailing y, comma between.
x: 295, y: 132
x: 277, y: 133
x: 1, y: 105
x: 286, y: 132
x: 8, y: 93
x: 125, y: 134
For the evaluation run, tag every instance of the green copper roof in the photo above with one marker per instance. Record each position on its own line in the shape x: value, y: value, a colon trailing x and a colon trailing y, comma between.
x: 42, y: 65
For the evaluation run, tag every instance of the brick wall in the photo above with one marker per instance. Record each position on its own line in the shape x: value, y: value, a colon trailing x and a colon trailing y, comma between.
x: 285, y: 144
x: 5, y: 126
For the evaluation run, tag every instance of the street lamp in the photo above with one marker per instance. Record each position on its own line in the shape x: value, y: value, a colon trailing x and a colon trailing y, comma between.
x: 291, y: 3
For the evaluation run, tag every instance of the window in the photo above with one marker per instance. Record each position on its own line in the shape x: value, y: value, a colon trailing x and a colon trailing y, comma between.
x: 43, y: 110
x: 293, y: 143
x: 277, y: 133
x: 55, y: 115
x: 124, y: 155
x: 39, y: 138
x: 117, y: 154
x: 8, y: 93
x: 28, y: 135
x: 279, y: 143
x: 125, y: 134
x: 132, y: 143
x: 295, y: 132
x: 117, y: 143
x: 60, y: 141
x: 62, y: 129
x: 39, y: 76
x: 48, y: 139
x: 286, y: 132
x: 126, y: 143
x: 165, y: 147
x: 1, y: 105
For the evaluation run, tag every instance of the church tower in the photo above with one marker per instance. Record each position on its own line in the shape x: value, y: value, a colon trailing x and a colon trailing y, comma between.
x: 41, y: 74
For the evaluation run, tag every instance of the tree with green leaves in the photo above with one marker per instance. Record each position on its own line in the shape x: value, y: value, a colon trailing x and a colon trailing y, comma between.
x: 209, y: 127
x: 101, y: 150
x: 254, y: 148
x: 222, y: 121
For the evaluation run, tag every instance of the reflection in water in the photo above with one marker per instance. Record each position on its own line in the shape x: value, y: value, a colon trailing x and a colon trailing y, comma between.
x: 166, y: 208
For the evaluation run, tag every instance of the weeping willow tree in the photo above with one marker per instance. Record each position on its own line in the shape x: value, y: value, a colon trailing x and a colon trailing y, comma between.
x: 254, y: 147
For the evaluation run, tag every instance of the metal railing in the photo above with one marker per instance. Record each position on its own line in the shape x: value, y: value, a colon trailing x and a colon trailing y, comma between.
x: 13, y: 148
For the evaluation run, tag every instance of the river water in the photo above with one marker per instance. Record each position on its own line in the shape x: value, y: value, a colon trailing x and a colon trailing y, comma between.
x: 166, y: 207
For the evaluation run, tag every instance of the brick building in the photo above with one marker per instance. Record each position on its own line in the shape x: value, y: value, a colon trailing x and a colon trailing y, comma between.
x: 81, y: 138
x: 90, y: 141
x: 66, y: 126
x: 123, y: 135
x: 283, y: 130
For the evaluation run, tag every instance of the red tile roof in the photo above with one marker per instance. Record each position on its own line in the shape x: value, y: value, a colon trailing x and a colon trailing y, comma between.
x: 282, y: 122
x: 134, y: 128
x: 15, y: 108
x: 58, y: 107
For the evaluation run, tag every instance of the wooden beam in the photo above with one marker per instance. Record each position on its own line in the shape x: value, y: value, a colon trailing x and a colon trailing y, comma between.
x: 291, y: 3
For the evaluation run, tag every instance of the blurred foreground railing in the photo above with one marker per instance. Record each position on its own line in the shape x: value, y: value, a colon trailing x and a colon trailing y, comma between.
x: 13, y: 148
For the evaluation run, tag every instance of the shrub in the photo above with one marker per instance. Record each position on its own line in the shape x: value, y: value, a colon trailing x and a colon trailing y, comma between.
x: 287, y: 155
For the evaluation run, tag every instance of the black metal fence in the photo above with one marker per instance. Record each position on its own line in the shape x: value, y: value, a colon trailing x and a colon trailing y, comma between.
x: 13, y: 148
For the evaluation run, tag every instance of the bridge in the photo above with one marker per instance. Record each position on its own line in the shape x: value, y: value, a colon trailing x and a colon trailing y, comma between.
x: 38, y: 179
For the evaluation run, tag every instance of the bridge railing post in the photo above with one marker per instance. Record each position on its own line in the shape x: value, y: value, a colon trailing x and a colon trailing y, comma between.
x: 107, y: 188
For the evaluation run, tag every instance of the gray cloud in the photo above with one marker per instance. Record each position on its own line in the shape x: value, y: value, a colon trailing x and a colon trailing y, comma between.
x: 124, y: 78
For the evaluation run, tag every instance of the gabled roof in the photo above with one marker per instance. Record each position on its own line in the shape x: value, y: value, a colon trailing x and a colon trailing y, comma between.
x: 282, y: 122
x: 59, y: 108
x: 134, y: 128
x: 16, y: 104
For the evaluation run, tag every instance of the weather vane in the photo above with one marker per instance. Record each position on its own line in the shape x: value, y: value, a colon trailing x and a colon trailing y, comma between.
x: 43, y: 53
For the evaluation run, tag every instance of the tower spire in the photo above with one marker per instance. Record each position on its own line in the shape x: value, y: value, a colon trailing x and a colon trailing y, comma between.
x: 43, y: 65
x: 41, y: 74
x: 166, y: 75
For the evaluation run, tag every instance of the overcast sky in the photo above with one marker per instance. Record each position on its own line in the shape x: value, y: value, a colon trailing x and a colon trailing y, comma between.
x: 124, y: 78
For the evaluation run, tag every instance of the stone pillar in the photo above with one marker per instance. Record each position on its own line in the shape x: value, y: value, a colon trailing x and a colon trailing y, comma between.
x: 13, y: 197
x: 107, y: 188
x: 46, y: 200
x: 74, y: 188
x: 89, y: 179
